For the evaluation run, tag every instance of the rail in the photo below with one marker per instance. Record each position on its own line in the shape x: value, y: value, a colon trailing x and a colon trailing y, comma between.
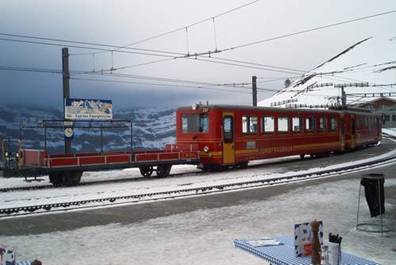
x: 179, y: 193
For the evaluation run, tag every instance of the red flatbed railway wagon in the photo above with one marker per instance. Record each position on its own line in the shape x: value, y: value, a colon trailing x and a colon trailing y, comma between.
x: 234, y: 135
x: 66, y: 169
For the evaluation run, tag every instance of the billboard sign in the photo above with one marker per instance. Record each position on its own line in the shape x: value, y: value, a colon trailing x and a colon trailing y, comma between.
x: 88, y: 109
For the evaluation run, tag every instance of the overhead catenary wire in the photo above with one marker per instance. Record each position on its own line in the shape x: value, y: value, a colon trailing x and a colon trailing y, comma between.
x: 214, y: 33
x: 215, y: 60
x: 83, y: 46
x: 169, y: 57
x: 108, y: 46
x: 285, y: 35
x: 187, y: 26
x: 244, y: 45
x: 156, y: 52
x: 160, y: 85
x: 143, y: 77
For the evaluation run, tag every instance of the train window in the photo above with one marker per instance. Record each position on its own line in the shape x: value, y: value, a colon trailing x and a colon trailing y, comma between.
x: 249, y: 124
x: 283, y: 124
x: 322, y: 123
x: 393, y: 117
x: 253, y: 125
x: 203, y: 123
x: 245, y: 124
x: 227, y: 129
x: 268, y: 124
x: 333, y: 124
x: 296, y: 124
x: 387, y: 118
x: 184, y: 123
x: 309, y: 124
x: 195, y: 123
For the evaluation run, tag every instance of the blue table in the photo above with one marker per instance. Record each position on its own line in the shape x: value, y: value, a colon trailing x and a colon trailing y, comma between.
x: 284, y: 254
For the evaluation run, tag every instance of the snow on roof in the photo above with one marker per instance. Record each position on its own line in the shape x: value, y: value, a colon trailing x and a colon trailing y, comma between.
x: 367, y: 66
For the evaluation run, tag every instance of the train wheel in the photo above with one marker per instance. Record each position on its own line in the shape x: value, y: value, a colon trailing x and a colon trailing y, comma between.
x: 72, y: 178
x: 55, y: 179
x: 242, y: 165
x: 146, y: 171
x: 163, y: 170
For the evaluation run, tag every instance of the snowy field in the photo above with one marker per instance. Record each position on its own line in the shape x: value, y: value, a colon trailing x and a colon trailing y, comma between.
x: 389, y: 131
x: 206, y: 236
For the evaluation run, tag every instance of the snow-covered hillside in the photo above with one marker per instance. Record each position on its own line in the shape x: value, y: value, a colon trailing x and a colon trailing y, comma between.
x: 152, y: 128
x: 367, y: 66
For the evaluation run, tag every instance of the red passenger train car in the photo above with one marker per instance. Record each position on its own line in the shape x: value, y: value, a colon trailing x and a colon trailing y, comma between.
x: 234, y: 135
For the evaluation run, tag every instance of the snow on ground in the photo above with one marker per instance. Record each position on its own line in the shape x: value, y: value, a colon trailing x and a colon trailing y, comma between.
x: 144, y: 186
x: 206, y: 236
x: 389, y: 131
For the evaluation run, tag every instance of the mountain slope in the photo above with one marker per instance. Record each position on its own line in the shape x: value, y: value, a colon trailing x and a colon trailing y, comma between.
x: 367, y: 66
x: 152, y: 128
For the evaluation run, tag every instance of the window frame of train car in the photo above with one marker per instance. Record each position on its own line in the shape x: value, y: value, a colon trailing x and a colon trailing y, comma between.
x: 228, y: 143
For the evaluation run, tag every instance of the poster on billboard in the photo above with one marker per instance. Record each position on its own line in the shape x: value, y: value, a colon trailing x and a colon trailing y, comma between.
x: 88, y: 109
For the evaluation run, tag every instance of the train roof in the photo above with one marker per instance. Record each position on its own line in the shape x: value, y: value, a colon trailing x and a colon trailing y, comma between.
x: 252, y: 108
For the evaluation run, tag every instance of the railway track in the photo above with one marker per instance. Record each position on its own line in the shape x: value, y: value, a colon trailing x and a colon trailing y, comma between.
x: 138, y: 179
x: 184, y: 192
x: 122, y: 180
x: 94, y: 182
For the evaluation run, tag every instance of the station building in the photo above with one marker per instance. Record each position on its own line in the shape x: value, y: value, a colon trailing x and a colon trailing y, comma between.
x: 385, y: 106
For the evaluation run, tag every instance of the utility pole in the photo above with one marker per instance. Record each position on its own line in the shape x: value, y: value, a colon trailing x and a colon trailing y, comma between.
x: 343, y: 97
x: 66, y: 92
x: 254, y: 90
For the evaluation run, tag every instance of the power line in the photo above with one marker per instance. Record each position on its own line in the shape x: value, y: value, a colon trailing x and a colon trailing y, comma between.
x: 88, y: 44
x: 269, y: 67
x: 169, y: 57
x: 188, y: 26
x: 162, y: 53
x: 173, y: 80
x: 83, y: 47
x: 307, y: 30
x: 30, y: 69
x: 153, y: 78
x: 156, y: 78
x: 161, y: 85
x: 244, y: 66
x: 215, y: 60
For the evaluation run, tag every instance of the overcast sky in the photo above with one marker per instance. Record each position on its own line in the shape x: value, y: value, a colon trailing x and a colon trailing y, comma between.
x: 124, y: 22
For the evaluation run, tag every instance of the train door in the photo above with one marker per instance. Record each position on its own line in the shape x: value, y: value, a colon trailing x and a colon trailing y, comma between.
x: 228, y: 138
